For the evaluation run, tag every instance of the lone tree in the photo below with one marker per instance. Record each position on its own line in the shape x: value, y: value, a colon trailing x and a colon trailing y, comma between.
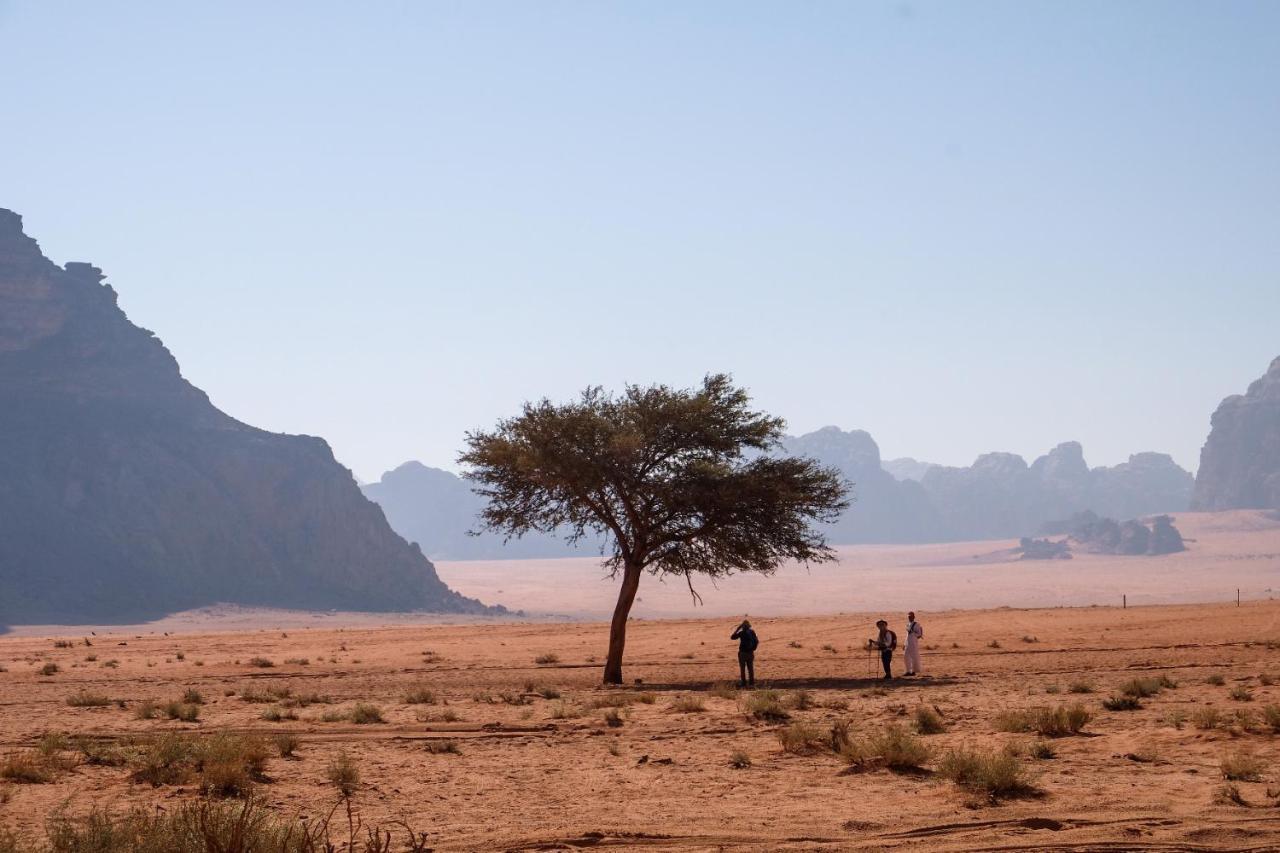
x: 680, y: 480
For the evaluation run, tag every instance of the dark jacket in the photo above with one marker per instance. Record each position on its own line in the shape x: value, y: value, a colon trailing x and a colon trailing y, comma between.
x: 747, y: 640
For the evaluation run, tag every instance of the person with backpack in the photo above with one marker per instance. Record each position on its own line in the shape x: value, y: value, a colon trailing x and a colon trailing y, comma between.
x: 886, y: 642
x: 748, y: 642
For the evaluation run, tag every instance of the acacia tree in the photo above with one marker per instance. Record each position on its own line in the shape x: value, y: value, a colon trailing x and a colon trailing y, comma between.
x: 681, y: 482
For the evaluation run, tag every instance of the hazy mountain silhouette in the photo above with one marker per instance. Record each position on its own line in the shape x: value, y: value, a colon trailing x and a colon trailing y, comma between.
x: 999, y: 496
x: 1240, y: 461
x: 906, y: 468
x: 436, y: 508
x: 124, y: 494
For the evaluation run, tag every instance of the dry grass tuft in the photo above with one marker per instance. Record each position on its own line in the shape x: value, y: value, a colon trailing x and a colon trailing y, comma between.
x: 688, y: 704
x: 739, y: 760
x: 547, y: 658
x: 928, y: 721
x: 1121, y: 703
x: 802, y: 737
x: 442, y: 747
x: 1241, y: 767
x: 420, y: 695
x: 765, y: 705
x: 344, y: 774
x: 893, y: 747
x: 993, y: 773
x: 84, y: 699
x: 1059, y: 721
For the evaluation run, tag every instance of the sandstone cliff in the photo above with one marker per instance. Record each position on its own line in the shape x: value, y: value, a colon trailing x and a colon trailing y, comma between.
x: 1240, y: 461
x: 124, y: 494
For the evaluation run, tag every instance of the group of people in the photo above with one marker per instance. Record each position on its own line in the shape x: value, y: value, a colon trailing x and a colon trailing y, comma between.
x: 885, y: 642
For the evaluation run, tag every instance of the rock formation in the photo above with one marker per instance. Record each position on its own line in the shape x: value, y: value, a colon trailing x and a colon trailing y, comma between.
x: 124, y: 494
x: 906, y: 468
x: 1240, y: 461
x: 884, y: 509
x: 436, y: 509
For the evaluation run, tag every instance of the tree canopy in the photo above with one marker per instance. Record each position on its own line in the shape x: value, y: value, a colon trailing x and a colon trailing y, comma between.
x: 681, y: 482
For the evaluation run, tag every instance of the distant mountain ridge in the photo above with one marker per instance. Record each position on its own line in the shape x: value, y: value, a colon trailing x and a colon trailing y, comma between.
x: 1000, y: 496
x: 125, y: 494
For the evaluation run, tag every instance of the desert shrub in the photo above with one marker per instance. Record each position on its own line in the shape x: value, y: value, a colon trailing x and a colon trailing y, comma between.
x: 62, y: 644
x: 893, y: 747
x: 765, y: 705
x: 146, y: 710
x: 1141, y: 688
x: 1176, y: 717
x: 191, y: 696
x: 994, y: 773
x: 167, y: 760
x: 180, y: 655
x: 688, y: 704
x: 1121, y: 703
x: 994, y: 644
x: 1053, y: 689
x: 100, y: 753
x: 547, y: 692
x: 1216, y: 679
x: 802, y: 737
x: 1080, y: 687
x: 286, y: 744
x: 565, y: 711
x: 1059, y: 721
x: 230, y: 764
x: 84, y: 699
x: 839, y: 737
x: 547, y: 658
x: 277, y: 715
x: 50, y: 668
x: 298, y: 661
x: 801, y: 700
x: 332, y: 717
x: 1240, y: 693
x: 182, y: 711
x: 420, y: 695
x: 363, y: 713
x: 1271, y: 717
x: 612, y: 718
x: 261, y: 663
x: 442, y: 747
x: 344, y: 774
x: 1027, y: 638
x: 1241, y: 767
x: 739, y: 760
x: 827, y: 647
x: 1229, y: 795
x: 795, y: 644
x: 1042, y: 750
x: 1206, y: 718
x: 27, y: 767
x: 928, y: 721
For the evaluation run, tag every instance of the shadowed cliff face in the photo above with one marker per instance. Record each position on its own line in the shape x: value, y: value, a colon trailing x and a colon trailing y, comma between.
x: 124, y: 494
x: 1240, y: 461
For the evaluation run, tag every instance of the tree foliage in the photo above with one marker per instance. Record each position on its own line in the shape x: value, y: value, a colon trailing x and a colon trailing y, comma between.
x: 681, y: 481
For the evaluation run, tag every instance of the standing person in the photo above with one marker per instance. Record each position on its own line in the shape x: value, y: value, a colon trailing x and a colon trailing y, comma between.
x: 747, y: 643
x: 886, y: 643
x: 912, y: 651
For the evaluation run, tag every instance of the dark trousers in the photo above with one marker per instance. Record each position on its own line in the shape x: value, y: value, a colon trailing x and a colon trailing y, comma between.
x: 747, y: 667
x: 886, y: 658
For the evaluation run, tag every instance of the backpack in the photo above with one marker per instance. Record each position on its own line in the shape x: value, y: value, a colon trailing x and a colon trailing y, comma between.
x: 753, y: 642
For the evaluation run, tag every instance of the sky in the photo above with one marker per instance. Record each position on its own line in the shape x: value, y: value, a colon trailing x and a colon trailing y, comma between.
x: 960, y: 226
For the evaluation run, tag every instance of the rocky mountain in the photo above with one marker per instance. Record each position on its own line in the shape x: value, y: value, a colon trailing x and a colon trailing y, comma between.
x: 884, y: 508
x: 1000, y: 496
x: 125, y: 494
x: 436, y: 508
x: 1240, y: 461
x: 906, y: 468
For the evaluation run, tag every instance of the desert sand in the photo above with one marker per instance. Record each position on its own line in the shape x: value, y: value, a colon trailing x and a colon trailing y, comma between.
x: 538, y: 767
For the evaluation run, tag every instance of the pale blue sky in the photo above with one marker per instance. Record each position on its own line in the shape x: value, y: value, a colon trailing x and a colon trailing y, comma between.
x: 961, y: 226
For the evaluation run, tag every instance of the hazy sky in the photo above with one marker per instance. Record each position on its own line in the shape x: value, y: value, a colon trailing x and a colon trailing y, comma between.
x: 961, y: 226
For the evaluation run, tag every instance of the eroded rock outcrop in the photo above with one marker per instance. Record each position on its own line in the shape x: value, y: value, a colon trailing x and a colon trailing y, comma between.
x: 125, y: 494
x: 1240, y: 461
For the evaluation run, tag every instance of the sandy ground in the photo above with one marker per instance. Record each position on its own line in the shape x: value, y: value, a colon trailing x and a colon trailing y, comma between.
x: 539, y: 772
x: 527, y: 778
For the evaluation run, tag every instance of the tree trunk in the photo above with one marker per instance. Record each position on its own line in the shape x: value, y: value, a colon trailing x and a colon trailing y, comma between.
x: 618, y: 628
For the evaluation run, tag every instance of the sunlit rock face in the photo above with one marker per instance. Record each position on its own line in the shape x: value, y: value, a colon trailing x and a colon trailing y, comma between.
x: 1240, y: 461
x: 125, y: 494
